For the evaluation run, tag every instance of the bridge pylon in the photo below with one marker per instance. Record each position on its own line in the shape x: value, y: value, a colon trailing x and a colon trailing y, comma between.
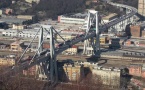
x: 47, y: 70
x: 92, y: 45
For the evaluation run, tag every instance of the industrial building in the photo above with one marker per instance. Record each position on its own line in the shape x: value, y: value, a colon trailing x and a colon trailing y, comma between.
x: 78, y: 18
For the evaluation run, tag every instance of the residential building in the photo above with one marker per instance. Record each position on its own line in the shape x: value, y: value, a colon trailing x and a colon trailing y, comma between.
x: 65, y: 36
x: 135, y: 30
x: 87, y: 65
x: 18, y: 27
x: 135, y: 69
x: 71, y: 51
x: 73, y: 73
x: 143, y: 71
x: 30, y: 71
x: 25, y: 33
x: 141, y: 7
x: 143, y: 33
x: 109, y: 76
x: 103, y: 40
x: 17, y: 46
x: 7, y: 61
x: 108, y: 18
x: 4, y: 46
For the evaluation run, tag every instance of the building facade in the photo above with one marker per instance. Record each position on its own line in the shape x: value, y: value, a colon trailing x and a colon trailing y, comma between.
x: 7, y: 61
x: 73, y: 73
x: 17, y: 46
x: 135, y: 30
x: 109, y: 76
x: 71, y: 51
x: 135, y: 69
x: 141, y: 7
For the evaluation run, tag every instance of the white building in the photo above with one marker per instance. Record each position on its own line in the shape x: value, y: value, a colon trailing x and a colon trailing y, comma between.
x: 25, y: 33
x: 109, y: 76
x: 30, y: 1
x: 78, y: 18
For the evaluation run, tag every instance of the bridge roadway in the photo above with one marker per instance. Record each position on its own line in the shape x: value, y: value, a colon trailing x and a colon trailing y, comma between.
x: 44, y: 57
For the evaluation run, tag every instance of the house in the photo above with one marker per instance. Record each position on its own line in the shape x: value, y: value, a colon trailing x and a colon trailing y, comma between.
x: 4, y: 46
x: 17, y: 46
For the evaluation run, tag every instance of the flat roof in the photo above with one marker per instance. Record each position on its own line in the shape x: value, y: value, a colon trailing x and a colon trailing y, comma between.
x: 110, y: 15
x: 12, y: 20
x: 77, y: 15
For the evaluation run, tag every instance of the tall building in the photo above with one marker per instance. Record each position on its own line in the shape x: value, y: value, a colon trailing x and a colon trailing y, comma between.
x: 73, y: 73
x: 141, y: 7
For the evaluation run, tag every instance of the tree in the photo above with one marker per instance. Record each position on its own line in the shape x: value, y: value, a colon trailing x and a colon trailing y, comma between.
x: 17, y: 82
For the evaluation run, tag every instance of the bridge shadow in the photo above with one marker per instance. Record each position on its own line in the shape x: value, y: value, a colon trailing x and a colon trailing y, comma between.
x: 96, y: 59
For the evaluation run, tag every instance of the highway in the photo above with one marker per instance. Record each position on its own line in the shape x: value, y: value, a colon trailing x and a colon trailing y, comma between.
x: 82, y: 37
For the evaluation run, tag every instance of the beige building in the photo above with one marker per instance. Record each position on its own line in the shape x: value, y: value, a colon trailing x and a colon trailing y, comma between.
x: 18, y: 27
x: 17, y: 46
x: 65, y: 36
x: 109, y: 76
x: 26, y: 17
x: 141, y: 7
x: 108, y: 18
x: 71, y: 51
x: 7, y: 61
x: 1, y: 12
x: 73, y: 73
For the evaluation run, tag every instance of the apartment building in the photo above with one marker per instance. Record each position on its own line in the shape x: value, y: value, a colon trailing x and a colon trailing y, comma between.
x: 17, y: 46
x: 7, y: 61
x: 135, y: 69
x: 73, y: 73
x: 71, y: 51
x: 109, y: 76
x: 141, y: 7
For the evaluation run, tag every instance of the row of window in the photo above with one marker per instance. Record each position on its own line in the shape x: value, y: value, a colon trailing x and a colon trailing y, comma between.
x: 20, y: 35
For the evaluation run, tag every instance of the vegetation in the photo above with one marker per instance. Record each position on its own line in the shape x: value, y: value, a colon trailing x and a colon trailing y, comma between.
x: 5, y: 3
x: 52, y: 8
x: 133, y: 3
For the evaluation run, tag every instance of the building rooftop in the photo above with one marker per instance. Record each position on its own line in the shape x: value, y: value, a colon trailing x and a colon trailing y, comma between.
x: 77, y: 15
x: 110, y: 16
x: 12, y: 20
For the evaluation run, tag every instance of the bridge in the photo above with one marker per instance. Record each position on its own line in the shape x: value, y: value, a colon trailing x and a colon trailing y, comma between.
x: 46, y: 59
